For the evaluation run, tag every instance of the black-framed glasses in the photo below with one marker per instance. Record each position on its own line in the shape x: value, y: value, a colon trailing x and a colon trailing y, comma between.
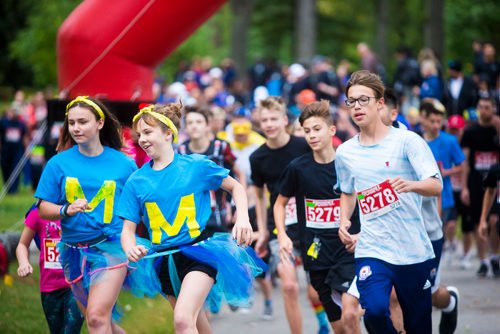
x: 362, y: 100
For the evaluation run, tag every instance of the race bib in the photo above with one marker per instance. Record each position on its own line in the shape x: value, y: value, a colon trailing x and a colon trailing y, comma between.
x: 13, y: 135
x: 51, y: 253
x: 484, y: 160
x: 322, y: 213
x: 378, y: 200
x: 291, y: 212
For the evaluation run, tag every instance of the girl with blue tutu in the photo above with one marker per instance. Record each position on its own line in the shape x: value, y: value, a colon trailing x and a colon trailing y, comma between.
x: 80, y: 186
x: 171, y: 195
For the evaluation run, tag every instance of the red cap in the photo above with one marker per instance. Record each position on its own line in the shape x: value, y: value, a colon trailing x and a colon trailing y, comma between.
x: 306, y: 96
x: 456, y: 122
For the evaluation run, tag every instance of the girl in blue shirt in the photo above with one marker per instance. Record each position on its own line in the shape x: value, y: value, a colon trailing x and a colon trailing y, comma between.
x: 80, y: 186
x: 171, y: 194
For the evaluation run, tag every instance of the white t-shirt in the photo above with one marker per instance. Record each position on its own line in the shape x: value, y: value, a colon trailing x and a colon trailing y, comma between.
x: 432, y: 220
x: 398, y: 237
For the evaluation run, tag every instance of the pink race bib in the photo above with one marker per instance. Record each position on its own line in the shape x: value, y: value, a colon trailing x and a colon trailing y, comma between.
x: 51, y: 253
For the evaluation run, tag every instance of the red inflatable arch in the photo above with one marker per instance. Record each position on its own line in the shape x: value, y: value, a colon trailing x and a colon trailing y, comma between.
x: 111, y: 48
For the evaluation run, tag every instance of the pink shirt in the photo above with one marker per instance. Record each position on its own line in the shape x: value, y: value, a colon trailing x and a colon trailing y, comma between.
x: 49, y: 234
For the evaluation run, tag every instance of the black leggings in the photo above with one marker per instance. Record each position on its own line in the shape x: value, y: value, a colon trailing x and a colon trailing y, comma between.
x: 61, y: 311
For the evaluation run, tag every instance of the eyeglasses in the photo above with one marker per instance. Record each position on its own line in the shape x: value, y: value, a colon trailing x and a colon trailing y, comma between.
x: 362, y: 100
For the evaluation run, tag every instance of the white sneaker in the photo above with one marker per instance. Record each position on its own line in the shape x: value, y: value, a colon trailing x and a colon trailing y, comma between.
x: 465, y: 264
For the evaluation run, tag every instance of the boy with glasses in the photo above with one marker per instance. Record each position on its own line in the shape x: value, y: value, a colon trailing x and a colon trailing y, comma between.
x: 387, y: 171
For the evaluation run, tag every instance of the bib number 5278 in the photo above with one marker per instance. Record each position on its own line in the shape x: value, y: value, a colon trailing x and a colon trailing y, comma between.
x: 378, y: 200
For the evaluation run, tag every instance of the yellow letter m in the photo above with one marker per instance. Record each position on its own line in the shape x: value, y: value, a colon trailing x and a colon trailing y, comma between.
x: 186, y: 213
x: 74, y: 191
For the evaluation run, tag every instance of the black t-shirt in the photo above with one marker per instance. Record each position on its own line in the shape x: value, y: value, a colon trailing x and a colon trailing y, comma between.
x: 492, y: 180
x: 482, y: 142
x: 313, y: 184
x: 267, y: 166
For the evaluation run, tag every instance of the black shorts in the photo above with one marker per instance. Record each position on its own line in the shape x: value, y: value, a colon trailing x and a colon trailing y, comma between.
x: 184, y: 265
x: 318, y: 282
x: 464, y: 212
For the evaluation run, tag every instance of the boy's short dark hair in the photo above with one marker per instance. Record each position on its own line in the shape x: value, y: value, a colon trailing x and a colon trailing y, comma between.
x: 317, y: 109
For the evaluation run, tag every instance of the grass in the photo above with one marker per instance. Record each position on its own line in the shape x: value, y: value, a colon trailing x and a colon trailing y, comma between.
x: 20, y: 306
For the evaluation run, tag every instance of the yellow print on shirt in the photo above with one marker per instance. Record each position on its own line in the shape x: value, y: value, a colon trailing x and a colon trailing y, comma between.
x: 74, y: 191
x: 186, y: 212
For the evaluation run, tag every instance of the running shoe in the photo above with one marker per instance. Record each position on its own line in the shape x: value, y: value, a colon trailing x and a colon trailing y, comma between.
x: 465, y: 263
x: 483, y: 270
x: 448, y: 322
x: 495, y: 267
x: 268, y: 312
x: 324, y: 329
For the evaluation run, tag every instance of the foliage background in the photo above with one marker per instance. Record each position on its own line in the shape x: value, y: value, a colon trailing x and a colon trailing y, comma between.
x: 28, y: 31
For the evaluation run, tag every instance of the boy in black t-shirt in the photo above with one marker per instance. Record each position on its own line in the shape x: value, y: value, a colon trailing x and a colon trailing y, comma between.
x: 311, y: 179
x: 481, y: 149
x: 267, y: 164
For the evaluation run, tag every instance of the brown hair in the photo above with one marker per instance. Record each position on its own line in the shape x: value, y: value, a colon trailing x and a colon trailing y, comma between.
x: 173, y: 111
x: 317, y: 109
x: 110, y: 134
x: 201, y: 109
x: 276, y: 103
x: 367, y: 79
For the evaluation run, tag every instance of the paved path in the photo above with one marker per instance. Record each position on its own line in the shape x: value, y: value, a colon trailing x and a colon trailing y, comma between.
x: 479, y: 308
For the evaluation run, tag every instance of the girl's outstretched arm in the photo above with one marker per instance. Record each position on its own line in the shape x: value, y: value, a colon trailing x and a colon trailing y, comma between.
x: 242, y: 230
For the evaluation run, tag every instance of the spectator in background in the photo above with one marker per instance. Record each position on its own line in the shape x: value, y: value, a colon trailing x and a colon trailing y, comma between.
x: 343, y: 75
x: 487, y: 66
x: 37, y: 111
x: 431, y: 84
x: 323, y: 80
x: 460, y: 91
x: 370, y: 62
x: 406, y: 77
x: 13, y: 133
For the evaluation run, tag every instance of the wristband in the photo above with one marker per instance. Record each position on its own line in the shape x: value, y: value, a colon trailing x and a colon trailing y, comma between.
x: 63, y: 211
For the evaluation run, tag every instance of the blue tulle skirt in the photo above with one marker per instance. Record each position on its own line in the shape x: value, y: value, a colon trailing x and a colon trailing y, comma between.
x: 84, y: 265
x: 236, y: 268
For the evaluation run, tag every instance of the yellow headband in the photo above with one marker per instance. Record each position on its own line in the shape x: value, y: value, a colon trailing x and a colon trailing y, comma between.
x: 162, y: 118
x: 87, y: 101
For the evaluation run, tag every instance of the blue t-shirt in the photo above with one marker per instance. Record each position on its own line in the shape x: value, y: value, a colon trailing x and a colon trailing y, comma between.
x: 447, y: 153
x: 173, y: 202
x: 399, y: 236
x: 71, y: 175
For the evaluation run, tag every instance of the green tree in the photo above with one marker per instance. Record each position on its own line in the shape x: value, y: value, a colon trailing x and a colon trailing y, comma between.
x: 13, y: 19
x: 467, y: 21
x: 34, y: 46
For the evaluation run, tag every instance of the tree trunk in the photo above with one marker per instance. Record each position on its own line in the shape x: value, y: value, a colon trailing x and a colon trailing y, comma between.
x: 305, y: 30
x: 382, y: 24
x: 242, y: 14
x: 433, y: 27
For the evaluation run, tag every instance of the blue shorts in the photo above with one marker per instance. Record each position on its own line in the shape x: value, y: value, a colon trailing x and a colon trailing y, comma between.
x: 434, y: 276
x: 375, y: 279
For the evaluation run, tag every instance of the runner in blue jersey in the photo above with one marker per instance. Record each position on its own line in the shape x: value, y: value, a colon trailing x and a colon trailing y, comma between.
x: 311, y: 178
x: 171, y: 194
x: 80, y: 186
x: 387, y: 171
